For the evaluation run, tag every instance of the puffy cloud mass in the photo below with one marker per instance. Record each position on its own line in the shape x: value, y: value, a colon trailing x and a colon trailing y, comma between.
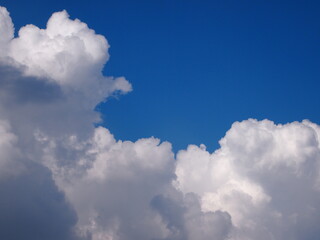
x: 63, y: 178
x: 265, y: 176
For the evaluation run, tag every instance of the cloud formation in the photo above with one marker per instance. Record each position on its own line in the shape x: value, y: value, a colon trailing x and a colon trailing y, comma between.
x: 266, y: 176
x: 62, y: 178
x: 31, y: 205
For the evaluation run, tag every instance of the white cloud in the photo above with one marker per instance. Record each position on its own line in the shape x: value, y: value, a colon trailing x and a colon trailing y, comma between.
x: 265, y: 176
x: 79, y: 182
x: 6, y: 30
x: 31, y: 206
x: 67, y: 52
x: 123, y: 189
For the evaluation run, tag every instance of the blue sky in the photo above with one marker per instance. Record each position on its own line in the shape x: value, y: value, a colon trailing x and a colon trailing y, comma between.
x: 198, y: 66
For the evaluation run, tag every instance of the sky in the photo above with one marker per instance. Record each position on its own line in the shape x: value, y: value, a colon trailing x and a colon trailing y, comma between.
x: 159, y: 120
x: 198, y: 67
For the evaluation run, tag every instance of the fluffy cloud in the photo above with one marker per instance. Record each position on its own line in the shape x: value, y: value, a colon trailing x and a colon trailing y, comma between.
x: 67, y: 52
x: 265, y: 176
x: 123, y: 190
x: 62, y: 178
x: 31, y: 205
x: 6, y: 30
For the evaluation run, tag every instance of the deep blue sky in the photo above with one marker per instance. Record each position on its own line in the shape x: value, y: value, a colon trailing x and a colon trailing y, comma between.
x: 198, y: 66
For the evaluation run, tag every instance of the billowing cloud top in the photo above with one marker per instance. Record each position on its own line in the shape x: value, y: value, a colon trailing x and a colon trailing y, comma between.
x: 61, y: 178
x: 67, y: 52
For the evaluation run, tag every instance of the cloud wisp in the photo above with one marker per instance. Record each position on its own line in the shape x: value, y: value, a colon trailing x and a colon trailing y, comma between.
x: 63, y: 178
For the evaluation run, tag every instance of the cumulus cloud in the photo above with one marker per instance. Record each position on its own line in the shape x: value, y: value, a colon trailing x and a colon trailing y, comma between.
x: 63, y: 178
x: 31, y: 205
x: 67, y: 52
x: 6, y: 30
x: 266, y: 176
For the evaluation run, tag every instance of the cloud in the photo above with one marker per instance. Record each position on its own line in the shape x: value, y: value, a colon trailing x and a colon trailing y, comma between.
x: 31, y: 205
x: 63, y: 178
x: 16, y: 88
x: 6, y: 30
x: 50, y: 81
x: 123, y: 190
x: 67, y: 52
x: 185, y: 220
x: 266, y: 176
